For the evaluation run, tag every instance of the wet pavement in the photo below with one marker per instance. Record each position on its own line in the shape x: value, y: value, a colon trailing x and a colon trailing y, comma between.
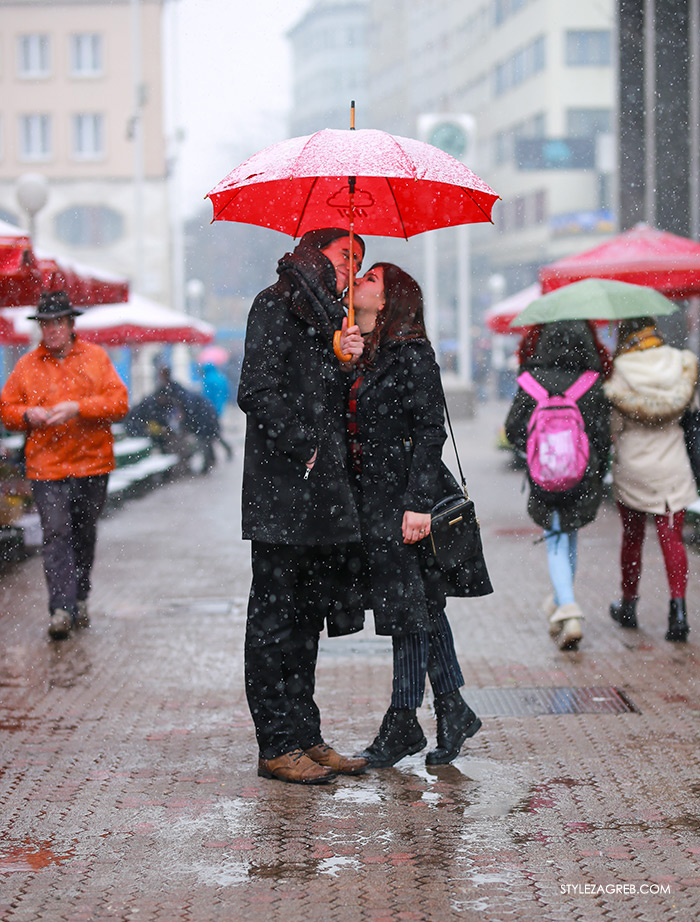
x: 128, y: 785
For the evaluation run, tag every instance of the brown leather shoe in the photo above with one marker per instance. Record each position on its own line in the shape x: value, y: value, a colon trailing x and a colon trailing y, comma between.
x: 323, y: 754
x: 296, y: 768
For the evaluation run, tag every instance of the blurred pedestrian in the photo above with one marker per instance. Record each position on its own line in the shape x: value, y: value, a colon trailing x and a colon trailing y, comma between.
x: 397, y: 430
x: 65, y: 395
x: 172, y: 415
x: 298, y: 510
x: 651, y: 386
x: 558, y: 356
x: 215, y: 387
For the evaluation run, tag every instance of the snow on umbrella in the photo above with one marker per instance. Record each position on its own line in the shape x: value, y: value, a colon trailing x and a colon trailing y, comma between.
x: 403, y: 187
x: 368, y: 180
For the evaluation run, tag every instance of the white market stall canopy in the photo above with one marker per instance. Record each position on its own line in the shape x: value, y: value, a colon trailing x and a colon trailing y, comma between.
x: 138, y: 320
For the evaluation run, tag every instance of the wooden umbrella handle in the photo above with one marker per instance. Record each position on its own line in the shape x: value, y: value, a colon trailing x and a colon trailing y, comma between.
x: 345, y: 357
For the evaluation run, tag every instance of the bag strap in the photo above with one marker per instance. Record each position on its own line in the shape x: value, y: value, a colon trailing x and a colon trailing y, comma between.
x: 532, y: 387
x: 454, y: 443
x: 580, y: 386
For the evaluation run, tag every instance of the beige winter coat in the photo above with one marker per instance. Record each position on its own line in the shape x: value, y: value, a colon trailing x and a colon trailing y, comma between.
x: 649, y: 390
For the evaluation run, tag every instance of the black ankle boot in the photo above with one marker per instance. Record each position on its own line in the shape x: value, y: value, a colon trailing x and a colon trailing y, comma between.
x: 625, y: 613
x: 677, y: 622
x: 399, y: 735
x: 455, y: 722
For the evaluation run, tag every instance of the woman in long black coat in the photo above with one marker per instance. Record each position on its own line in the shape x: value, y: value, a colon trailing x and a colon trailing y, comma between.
x: 397, y: 431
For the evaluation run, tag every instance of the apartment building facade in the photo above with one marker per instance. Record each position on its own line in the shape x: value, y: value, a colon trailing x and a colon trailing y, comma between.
x: 538, y: 76
x: 81, y: 87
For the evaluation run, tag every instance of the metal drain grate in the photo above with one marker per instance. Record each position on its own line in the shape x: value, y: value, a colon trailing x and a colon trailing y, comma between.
x: 530, y: 702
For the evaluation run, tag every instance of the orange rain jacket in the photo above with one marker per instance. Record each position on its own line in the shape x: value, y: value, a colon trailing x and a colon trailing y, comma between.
x: 84, y: 445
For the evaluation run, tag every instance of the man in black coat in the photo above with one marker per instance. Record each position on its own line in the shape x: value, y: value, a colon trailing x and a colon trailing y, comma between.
x: 298, y: 509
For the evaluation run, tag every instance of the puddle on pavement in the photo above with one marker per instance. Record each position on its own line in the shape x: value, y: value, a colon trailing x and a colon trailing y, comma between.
x: 30, y: 857
x: 285, y: 870
x: 544, y: 795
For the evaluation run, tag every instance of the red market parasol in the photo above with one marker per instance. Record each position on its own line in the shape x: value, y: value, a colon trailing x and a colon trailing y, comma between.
x: 498, y: 317
x: 369, y: 181
x: 20, y: 275
x: 641, y: 256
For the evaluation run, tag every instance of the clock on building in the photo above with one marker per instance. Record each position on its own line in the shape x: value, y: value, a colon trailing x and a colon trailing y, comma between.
x: 451, y: 137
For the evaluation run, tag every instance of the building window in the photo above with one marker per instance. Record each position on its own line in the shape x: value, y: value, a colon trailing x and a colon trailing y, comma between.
x: 88, y: 136
x: 589, y: 49
x: 520, y: 66
x: 89, y: 225
x: 588, y: 123
x: 86, y: 54
x: 540, y: 206
x: 34, y: 137
x: 33, y: 55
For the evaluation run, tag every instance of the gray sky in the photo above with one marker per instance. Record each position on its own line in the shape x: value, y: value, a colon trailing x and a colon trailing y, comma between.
x: 231, y: 79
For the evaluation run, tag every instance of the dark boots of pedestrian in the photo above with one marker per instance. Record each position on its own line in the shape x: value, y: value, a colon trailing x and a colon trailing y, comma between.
x: 677, y: 622
x: 399, y: 735
x: 625, y: 613
x: 455, y: 723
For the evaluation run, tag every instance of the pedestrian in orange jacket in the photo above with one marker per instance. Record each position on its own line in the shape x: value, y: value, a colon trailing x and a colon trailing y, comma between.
x: 65, y: 395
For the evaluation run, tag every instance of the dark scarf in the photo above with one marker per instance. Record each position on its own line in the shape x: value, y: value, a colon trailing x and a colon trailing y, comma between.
x: 314, y: 283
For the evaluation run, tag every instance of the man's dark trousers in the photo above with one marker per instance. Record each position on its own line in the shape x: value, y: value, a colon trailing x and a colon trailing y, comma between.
x: 281, y: 647
x: 69, y: 510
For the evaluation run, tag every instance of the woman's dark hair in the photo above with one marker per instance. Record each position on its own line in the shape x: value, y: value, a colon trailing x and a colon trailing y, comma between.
x: 402, y: 315
x: 530, y: 341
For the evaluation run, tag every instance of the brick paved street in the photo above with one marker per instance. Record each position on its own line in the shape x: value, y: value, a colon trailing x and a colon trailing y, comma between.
x: 128, y: 785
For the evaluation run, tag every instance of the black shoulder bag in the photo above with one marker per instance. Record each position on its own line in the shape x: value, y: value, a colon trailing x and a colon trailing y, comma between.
x: 454, y: 527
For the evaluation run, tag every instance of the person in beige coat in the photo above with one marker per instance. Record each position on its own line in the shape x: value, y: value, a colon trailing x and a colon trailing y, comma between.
x: 651, y: 386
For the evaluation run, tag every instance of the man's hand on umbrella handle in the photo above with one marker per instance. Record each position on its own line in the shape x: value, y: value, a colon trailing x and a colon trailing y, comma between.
x: 351, y: 343
x: 415, y: 526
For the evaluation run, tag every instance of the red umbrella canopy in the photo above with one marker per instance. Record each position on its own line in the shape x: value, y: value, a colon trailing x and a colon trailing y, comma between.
x: 403, y: 187
x: 640, y: 256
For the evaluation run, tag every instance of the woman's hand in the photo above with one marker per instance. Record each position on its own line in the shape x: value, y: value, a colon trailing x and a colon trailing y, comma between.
x: 351, y: 343
x: 415, y: 526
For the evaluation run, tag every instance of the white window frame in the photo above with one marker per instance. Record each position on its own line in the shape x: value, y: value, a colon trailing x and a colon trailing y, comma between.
x: 88, y: 136
x: 33, y: 55
x: 86, y: 54
x: 35, y: 141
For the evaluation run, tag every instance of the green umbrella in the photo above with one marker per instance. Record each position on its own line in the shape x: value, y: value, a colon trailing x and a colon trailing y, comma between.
x: 595, y: 299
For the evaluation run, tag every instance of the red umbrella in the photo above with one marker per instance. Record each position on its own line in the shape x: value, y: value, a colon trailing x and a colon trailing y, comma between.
x: 640, y: 256
x: 402, y: 187
x: 370, y: 181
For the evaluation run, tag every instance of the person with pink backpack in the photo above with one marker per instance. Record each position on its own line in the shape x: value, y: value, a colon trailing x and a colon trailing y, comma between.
x: 560, y: 423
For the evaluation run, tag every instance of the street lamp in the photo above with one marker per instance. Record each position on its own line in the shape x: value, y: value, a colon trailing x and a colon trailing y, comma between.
x: 497, y: 287
x: 32, y: 195
x: 195, y: 297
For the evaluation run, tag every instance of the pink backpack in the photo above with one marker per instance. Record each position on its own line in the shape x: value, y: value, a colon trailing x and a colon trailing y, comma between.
x: 557, y: 444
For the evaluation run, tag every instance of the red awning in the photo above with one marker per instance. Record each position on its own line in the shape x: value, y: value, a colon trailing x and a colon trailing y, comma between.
x: 640, y: 256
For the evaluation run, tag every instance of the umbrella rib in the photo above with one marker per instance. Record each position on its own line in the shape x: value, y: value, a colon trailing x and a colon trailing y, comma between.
x: 306, y: 202
x: 398, y: 210
x: 478, y: 205
x: 234, y: 193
